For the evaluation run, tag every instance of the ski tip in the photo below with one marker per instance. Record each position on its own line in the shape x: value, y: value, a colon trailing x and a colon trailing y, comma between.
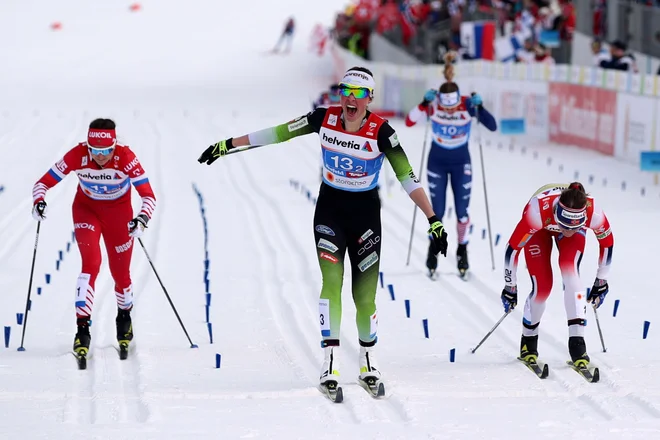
x: 339, y: 398
x: 595, y: 375
x: 381, y: 390
x: 546, y: 371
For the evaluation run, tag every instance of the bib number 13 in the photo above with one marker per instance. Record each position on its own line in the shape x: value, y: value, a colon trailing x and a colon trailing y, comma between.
x: 345, y: 163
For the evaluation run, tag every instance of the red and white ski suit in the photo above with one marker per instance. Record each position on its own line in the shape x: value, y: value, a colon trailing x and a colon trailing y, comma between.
x: 536, y: 232
x: 102, y: 208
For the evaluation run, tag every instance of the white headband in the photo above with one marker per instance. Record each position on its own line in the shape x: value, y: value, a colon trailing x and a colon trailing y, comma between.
x: 357, y: 78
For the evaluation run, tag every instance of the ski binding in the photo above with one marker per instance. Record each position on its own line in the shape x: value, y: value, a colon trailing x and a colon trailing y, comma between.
x: 541, y: 371
x: 373, y: 386
x: 591, y: 376
x: 332, y: 391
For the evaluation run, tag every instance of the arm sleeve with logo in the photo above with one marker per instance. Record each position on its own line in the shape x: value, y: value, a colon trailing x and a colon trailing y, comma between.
x: 388, y: 143
x: 310, y: 123
x: 528, y: 225
x: 56, y: 173
x: 140, y: 181
x: 601, y: 227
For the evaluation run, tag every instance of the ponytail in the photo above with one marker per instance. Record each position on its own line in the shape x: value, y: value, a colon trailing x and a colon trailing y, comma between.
x: 448, y: 73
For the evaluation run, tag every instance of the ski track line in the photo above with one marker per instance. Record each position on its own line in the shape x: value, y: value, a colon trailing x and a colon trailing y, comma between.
x: 395, y: 409
x: 469, y: 310
x: 588, y: 397
x: 105, y: 370
x: 561, y: 348
x: 282, y: 311
x: 605, y: 367
x: 355, y: 409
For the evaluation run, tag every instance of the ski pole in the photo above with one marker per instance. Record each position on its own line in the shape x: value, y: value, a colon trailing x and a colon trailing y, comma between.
x: 27, y: 303
x: 600, y: 332
x: 421, y: 167
x: 483, y: 177
x: 166, y: 294
x: 491, y: 330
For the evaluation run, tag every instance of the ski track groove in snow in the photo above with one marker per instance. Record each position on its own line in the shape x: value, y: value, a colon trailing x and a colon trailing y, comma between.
x: 568, y: 379
x: 292, y: 347
x: 391, y: 408
x: 469, y: 310
x: 303, y: 271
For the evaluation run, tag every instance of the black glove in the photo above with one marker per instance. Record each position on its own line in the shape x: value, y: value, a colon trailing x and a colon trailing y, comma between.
x: 438, y: 236
x: 509, y: 298
x: 137, y: 225
x: 598, y: 292
x: 213, y: 152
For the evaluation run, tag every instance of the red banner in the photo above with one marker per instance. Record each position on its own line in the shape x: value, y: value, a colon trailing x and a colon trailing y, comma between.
x: 583, y: 116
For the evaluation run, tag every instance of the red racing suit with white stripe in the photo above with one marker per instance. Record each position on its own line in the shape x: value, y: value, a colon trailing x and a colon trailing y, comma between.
x: 102, y: 208
x: 538, y: 215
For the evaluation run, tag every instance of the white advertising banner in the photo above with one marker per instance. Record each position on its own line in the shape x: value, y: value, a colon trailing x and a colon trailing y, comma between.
x: 636, y: 126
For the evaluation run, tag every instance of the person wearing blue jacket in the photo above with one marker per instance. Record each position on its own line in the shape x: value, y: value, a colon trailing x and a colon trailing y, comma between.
x: 450, y: 115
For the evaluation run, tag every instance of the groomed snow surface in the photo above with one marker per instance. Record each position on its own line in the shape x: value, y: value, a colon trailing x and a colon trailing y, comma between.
x: 177, y: 76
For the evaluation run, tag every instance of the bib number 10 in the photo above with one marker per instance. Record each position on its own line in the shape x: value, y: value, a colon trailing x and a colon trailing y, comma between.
x: 449, y: 130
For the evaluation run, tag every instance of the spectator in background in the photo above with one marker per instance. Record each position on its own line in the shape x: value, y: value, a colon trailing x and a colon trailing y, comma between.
x: 526, y: 54
x: 542, y: 54
x: 388, y: 19
x: 287, y: 36
x: 600, y: 19
x: 621, y: 59
x: 566, y: 21
x: 600, y: 53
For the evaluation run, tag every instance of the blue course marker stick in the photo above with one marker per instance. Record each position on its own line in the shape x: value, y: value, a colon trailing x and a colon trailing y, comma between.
x: 7, y: 334
x: 425, y: 324
x: 390, y: 287
x: 616, y: 307
x: 646, y: 329
x: 218, y: 358
x: 407, y: 303
x: 210, y: 327
x: 452, y: 355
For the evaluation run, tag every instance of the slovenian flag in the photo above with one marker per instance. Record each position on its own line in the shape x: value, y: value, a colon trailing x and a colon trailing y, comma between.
x: 478, y: 37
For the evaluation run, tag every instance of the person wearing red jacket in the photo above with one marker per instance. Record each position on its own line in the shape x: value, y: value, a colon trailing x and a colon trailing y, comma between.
x: 561, y: 214
x: 102, y: 208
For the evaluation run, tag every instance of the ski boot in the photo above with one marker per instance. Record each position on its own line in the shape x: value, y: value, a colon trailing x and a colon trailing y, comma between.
x: 330, y: 369
x: 431, y: 261
x: 83, y: 338
x: 369, y: 373
x: 124, y: 331
x: 529, y: 348
x: 368, y: 364
x: 462, y: 259
x: 329, y: 380
x: 578, y: 350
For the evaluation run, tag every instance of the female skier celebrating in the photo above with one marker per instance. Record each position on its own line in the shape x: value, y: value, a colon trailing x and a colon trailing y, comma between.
x: 354, y: 143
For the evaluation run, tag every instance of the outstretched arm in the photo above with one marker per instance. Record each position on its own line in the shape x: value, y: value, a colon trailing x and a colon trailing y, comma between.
x: 310, y: 123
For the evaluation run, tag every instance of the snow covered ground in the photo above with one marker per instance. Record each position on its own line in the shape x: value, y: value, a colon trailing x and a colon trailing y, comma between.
x: 177, y: 76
